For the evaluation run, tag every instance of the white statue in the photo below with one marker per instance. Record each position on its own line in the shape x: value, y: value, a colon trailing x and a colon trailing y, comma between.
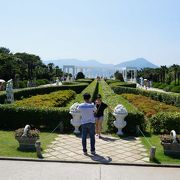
x: 26, y: 129
x: 173, y: 134
x: 57, y: 81
x: 9, y: 91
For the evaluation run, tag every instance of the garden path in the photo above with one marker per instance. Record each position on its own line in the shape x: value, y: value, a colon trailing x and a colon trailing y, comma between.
x: 109, y: 149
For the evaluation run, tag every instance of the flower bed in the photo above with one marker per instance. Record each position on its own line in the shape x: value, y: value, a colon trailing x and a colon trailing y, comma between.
x: 172, y: 99
x: 148, y: 106
x: 55, y: 99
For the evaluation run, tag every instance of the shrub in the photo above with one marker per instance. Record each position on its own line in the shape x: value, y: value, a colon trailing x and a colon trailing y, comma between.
x: 155, y: 84
x: 167, y: 138
x: 162, y: 86
x: 22, y: 84
x: 42, y: 118
x: 165, y: 121
x: 168, y: 88
x: 176, y: 89
x: 13, y: 117
x: 92, y: 89
x: 84, y: 80
x: 41, y: 82
x: 134, y: 117
x: 123, y: 84
x: 31, y: 133
x: 109, y: 81
x: 54, y: 99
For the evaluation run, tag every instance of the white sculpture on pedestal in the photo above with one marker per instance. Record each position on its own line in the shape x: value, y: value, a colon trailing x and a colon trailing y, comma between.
x: 9, y: 91
x: 120, y: 113
x: 76, y: 120
x: 26, y: 129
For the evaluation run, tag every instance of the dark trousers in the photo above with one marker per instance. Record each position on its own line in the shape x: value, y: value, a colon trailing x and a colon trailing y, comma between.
x: 89, y: 127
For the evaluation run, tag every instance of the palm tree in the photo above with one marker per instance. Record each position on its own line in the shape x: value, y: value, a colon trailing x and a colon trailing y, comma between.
x: 164, y: 70
x: 175, y: 69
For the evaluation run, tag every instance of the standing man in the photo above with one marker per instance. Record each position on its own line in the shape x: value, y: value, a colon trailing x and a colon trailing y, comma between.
x: 87, y: 110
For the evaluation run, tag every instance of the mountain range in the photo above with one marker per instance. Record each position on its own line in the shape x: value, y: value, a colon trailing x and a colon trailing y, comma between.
x: 139, y: 63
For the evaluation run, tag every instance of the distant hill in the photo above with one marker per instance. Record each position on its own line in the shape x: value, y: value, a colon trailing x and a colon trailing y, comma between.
x: 140, y: 63
x: 77, y: 62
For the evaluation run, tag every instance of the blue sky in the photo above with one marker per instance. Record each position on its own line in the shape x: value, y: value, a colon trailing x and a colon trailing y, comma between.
x: 110, y: 31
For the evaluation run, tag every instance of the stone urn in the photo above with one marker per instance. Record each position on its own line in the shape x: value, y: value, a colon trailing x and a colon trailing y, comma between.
x: 120, y: 113
x: 27, y: 143
x: 26, y: 138
x: 76, y: 117
x: 171, y: 143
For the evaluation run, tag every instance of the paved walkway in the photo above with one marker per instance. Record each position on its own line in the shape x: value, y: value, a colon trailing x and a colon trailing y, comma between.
x: 27, y: 170
x: 108, y: 148
x: 152, y: 89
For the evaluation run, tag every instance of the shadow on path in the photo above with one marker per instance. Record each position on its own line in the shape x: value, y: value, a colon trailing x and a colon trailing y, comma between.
x: 108, y: 139
x: 100, y: 158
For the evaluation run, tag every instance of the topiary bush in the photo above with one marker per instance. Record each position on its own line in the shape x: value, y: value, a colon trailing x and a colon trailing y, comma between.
x: 165, y: 121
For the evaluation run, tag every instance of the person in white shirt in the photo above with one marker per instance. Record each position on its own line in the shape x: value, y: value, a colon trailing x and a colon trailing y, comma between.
x: 87, y: 110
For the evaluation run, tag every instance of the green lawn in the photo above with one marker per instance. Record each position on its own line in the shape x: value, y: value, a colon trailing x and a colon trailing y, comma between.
x: 160, y: 157
x: 9, y: 145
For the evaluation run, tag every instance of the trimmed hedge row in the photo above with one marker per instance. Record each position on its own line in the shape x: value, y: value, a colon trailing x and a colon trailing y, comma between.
x: 168, y: 98
x: 109, y: 81
x: 42, y: 118
x: 123, y: 84
x: 134, y: 117
x: 92, y: 89
x: 48, y: 118
x: 28, y: 92
x: 84, y: 80
x: 165, y: 121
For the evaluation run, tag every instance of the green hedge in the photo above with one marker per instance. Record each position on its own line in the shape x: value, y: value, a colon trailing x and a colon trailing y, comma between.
x: 168, y: 98
x: 109, y: 81
x: 48, y: 118
x: 92, y: 89
x: 84, y: 80
x: 54, y: 99
x: 165, y: 121
x: 123, y: 84
x: 42, y: 118
x: 134, y: 117
x: 166, y: 87
x: 28, y: 92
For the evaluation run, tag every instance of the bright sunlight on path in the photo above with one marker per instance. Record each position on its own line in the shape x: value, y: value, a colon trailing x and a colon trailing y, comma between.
x: 108, y: 148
